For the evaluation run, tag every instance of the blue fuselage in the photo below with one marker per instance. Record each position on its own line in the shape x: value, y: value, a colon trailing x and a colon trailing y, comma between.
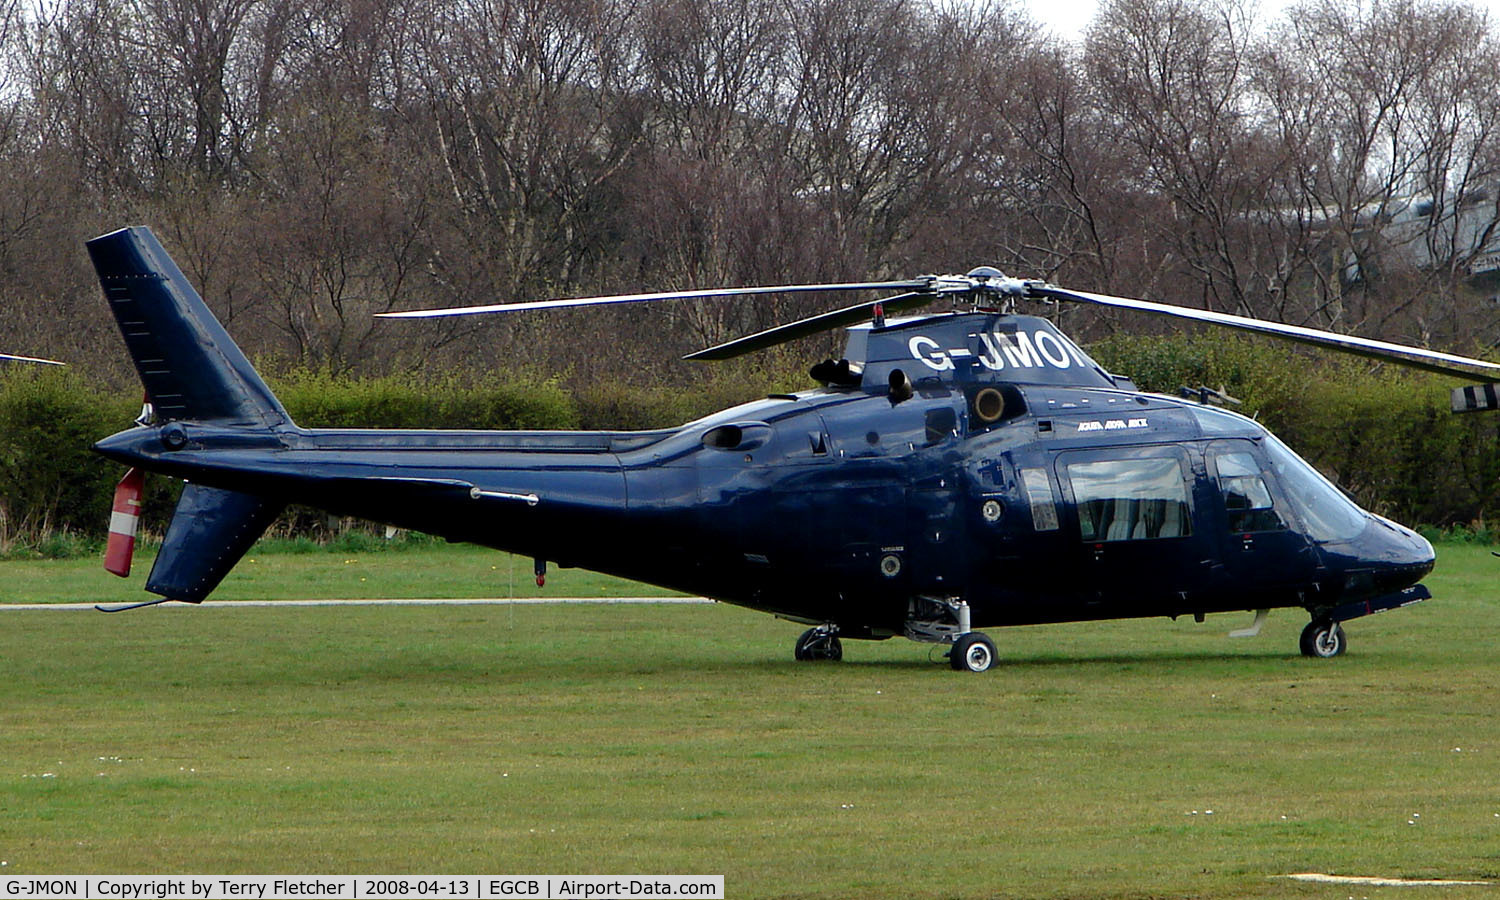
x: 843, y: 505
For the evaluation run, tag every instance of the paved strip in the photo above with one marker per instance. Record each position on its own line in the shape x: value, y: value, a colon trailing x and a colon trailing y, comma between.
x: 430, y: 601
x: 1375, y: 881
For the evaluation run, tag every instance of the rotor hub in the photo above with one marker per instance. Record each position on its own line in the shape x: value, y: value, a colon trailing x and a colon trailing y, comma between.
x: 981, y: 284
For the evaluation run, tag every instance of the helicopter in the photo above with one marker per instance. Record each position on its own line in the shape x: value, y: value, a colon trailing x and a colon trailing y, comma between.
x: 956, y: 470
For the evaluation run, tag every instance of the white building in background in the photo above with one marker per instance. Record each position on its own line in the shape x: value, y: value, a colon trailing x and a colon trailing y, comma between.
x: 1424, y: 236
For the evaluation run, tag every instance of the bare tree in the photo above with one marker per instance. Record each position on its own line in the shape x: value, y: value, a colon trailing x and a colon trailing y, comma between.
x: 1366, y: 157
x: 1173, y: 77
x: 700, y: 197
x: 1456, y: 112
x: 313, y: 161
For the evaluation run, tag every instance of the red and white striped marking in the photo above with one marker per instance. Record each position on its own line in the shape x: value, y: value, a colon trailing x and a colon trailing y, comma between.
x: 124, y: 519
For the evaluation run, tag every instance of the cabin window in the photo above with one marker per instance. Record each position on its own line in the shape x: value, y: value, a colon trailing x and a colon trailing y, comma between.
x: 1247, y: 501
x: 1325, y: 511
x: 1130, y: 499
x: 1039, y: 495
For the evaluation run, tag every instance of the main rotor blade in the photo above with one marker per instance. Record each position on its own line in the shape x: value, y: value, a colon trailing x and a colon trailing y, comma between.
x: 650, y: 298
x: 31, y: 359
x: 780, y: 334
x: 1415, y: 357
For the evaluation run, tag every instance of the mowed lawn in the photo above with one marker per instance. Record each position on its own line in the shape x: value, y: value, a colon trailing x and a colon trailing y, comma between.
x: 432, y: 570
x: 1129, y: 759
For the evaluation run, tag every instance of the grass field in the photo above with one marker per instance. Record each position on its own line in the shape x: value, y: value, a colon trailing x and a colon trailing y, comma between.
x: 683, y: 739
x: 431, y: 570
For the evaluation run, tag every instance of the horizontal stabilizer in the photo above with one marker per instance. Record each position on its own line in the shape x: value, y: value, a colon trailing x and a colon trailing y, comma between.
x: 211, y: 529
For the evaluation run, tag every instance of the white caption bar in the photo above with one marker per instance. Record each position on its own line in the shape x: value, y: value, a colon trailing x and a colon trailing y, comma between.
x: 361, y: 887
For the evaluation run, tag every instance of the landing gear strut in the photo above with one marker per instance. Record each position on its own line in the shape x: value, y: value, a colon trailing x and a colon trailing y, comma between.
x: 821, y: 642
x: 946, y: 620
x: 1323, y: 639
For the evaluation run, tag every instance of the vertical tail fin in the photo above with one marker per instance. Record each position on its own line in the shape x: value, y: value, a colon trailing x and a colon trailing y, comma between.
x: 192, y: 370
x: 189, y: 365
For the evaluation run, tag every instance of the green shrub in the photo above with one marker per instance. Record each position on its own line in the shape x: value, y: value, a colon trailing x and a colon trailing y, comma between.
x: 51, y: 482
x: 1390, y: 439
x: 615, y: 406
x: 1258, y: 373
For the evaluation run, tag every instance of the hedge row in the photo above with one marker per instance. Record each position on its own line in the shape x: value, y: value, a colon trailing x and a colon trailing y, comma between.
x: 1386, y: 435
x: 52, y: 483
x: 55, y: 491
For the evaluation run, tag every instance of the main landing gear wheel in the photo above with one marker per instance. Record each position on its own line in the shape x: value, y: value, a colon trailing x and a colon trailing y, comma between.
x: 819, y: 643
x: 1323, y: 640
x: 972, y: 652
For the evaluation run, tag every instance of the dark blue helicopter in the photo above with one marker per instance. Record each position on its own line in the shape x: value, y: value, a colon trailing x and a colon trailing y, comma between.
x: 957, y: 470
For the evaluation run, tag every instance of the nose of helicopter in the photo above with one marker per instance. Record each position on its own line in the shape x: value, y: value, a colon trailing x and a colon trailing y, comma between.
x: 1391, y: 556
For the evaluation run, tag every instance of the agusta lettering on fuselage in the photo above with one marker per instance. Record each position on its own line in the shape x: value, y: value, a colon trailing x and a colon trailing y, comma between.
x: 1114, y: 424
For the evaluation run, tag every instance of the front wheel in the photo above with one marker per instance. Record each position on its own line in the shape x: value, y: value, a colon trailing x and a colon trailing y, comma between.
x: 972, y: 652
x: 818, y: 644
x: 1323, y: 640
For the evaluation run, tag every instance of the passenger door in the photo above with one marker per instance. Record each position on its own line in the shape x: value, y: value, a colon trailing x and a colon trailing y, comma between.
x: 1134, y: 511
